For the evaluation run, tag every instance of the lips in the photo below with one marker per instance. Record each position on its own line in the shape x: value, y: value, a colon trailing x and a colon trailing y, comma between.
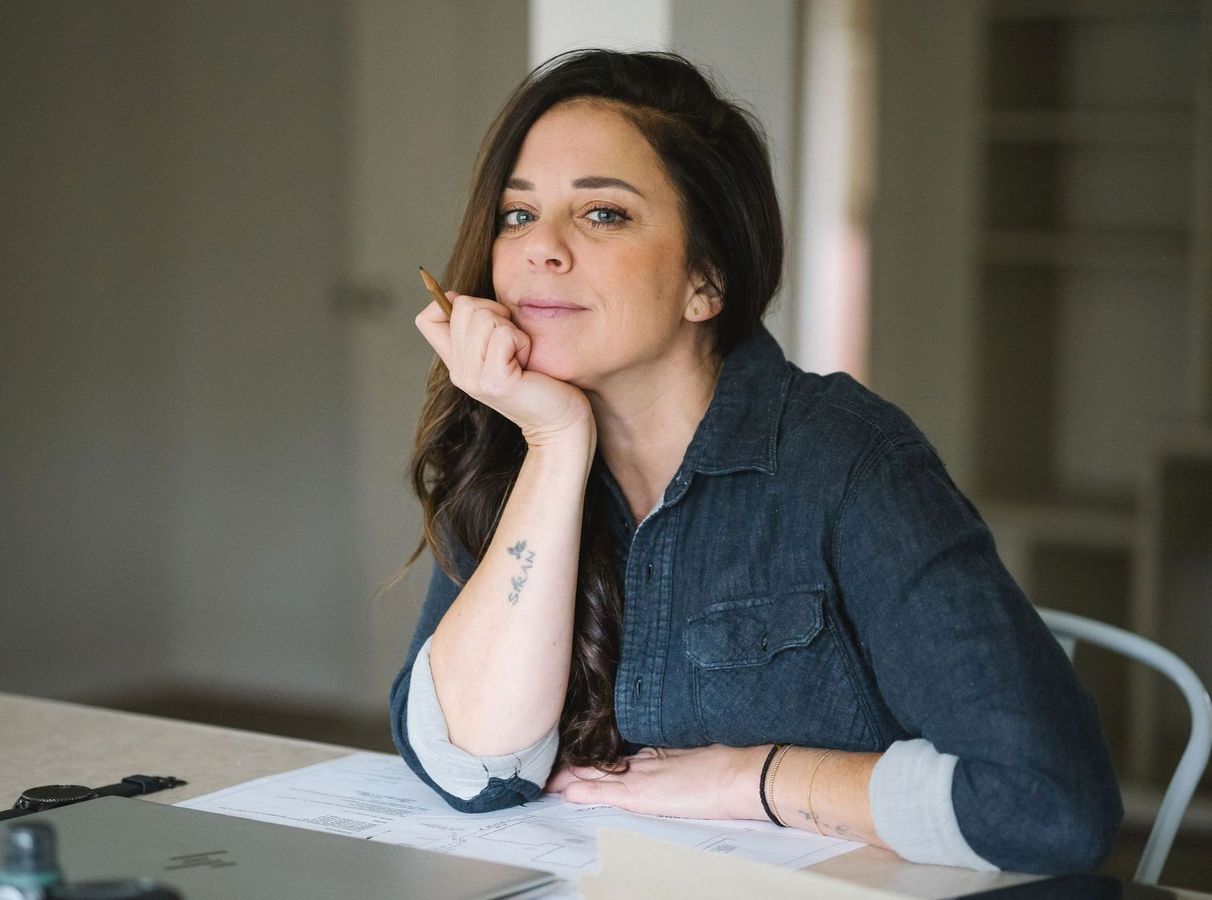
x: 534, y: 308
x: 546, y: 303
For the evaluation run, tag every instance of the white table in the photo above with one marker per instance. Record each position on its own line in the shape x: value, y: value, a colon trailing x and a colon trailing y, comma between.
x: 49, y: 742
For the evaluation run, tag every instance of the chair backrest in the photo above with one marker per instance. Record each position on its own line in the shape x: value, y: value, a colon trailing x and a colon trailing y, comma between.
x: 1069, y: 629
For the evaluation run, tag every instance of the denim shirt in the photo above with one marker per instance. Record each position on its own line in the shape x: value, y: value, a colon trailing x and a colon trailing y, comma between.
x: 812, y: 576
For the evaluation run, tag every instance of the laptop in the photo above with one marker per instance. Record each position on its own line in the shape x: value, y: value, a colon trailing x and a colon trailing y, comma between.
x: 205, y: 855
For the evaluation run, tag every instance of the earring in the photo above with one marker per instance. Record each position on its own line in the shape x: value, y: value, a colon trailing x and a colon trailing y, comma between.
x: 695, y: 310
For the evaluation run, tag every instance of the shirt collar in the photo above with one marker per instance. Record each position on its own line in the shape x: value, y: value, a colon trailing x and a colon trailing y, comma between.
x: 741, y: 427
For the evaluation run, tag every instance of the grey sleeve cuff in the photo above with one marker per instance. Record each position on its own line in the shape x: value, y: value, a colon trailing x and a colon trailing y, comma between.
x: 454, y: 769
x: 910, y: 795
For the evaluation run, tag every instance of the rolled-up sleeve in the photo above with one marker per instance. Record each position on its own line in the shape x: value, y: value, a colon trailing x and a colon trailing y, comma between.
x: 460, y: 773
x: 965, y: 664
x: 505, y: 781
x: 911, y: 806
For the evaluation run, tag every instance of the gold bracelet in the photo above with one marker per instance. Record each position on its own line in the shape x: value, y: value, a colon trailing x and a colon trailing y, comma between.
x: 812, y: 778
x: 774, y: 767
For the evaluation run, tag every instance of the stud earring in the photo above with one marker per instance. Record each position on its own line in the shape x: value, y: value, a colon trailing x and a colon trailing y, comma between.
x: 695, y: 310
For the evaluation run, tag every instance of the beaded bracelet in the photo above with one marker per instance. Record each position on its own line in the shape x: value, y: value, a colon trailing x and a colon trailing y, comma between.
x: 774, y: 767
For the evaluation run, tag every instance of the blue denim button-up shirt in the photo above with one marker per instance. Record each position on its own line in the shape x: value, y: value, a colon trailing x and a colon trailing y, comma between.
x: 812, y: 576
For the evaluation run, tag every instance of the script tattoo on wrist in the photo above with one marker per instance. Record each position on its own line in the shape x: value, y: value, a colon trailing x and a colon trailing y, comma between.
x: 824, y: 827
x: 526, y: 558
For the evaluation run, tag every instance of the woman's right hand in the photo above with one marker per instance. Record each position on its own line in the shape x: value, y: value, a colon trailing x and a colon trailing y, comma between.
x: 486, y: 355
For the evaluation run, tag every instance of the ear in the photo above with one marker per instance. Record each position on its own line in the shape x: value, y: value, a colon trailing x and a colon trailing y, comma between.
x: 705, y: 301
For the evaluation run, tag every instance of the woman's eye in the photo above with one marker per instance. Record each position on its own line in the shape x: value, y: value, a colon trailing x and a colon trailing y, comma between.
x: 603, y: 215
x: 516, y: 218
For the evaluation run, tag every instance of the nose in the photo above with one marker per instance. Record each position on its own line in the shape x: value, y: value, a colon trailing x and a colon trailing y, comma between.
x: 547, y: 248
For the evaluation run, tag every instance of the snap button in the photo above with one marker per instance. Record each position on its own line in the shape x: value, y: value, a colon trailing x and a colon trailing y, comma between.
x: 763, y: 642
x: 648, y: 572
x: 639, y: 684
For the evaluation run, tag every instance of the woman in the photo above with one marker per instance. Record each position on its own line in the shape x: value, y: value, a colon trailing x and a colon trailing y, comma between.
x: 676, y: 573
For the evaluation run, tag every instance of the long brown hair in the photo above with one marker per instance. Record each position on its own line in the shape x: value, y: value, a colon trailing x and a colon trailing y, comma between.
x: 467, y: 455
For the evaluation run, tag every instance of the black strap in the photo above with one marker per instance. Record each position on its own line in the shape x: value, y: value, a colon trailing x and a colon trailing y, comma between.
x: 131, y: 786
x: 134, y: 785
x: 762, y: 786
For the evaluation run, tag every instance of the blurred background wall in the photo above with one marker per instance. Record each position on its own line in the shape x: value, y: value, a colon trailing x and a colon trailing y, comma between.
x: 211, y: 210
x: 999, y: 216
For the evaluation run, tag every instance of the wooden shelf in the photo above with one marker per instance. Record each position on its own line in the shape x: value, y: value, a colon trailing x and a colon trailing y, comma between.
x: 1099, y: 127
x: 1138, y: 251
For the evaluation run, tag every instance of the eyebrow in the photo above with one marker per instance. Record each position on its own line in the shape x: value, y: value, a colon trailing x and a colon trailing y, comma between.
x: 587, y: 182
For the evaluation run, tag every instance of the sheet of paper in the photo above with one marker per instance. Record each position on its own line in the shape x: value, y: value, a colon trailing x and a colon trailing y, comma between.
x: 375, y: 796
x: 633, y: 865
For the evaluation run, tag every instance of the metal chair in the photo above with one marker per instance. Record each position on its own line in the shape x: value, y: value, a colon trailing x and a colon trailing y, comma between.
x: 1068, y: 629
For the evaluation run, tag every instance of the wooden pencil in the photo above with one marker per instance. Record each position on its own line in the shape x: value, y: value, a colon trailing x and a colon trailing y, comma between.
x: 434, y: 288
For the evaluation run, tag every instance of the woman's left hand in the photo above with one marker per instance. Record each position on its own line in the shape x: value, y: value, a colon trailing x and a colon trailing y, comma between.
x: 714, y: 782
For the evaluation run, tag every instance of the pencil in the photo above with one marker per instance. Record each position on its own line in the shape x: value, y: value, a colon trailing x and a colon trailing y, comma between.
x: 436, y: 289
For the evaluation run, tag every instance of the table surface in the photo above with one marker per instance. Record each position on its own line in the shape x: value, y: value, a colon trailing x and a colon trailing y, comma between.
x: 50, y: 742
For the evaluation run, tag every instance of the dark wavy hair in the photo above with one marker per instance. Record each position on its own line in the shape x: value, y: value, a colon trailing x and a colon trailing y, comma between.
x: 468, y: 455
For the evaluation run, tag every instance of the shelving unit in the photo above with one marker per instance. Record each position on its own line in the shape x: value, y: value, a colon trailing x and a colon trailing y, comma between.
x: 1092, y: 444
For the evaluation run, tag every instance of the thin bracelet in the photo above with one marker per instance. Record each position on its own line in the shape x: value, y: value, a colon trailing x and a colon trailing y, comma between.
x: 762, y: 785
x: 774, y: 767
x: 812, y: 778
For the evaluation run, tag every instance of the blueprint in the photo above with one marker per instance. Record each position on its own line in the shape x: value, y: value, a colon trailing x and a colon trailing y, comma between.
x: 375, y: 796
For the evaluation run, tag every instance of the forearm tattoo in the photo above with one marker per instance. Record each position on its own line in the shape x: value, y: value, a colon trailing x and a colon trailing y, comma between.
x: 526, y: 558
x: 824, y: 828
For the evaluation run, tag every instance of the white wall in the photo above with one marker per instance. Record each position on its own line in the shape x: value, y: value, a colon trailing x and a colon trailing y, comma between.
x: 752, y: 50
x: 923, y: 330
x: 415, y: 122
x: 831, y: 209
x: 86, y: 352
x: 204, y: 450
x: 177, y: 455
x: 559, y: 25
x: 260, y: 515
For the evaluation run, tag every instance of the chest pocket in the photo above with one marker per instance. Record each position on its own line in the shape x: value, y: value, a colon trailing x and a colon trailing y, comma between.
x: 738, y: 632
x: 768, y: 669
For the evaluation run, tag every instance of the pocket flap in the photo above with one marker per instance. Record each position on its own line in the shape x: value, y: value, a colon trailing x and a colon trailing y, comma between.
x: 750, y: 632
